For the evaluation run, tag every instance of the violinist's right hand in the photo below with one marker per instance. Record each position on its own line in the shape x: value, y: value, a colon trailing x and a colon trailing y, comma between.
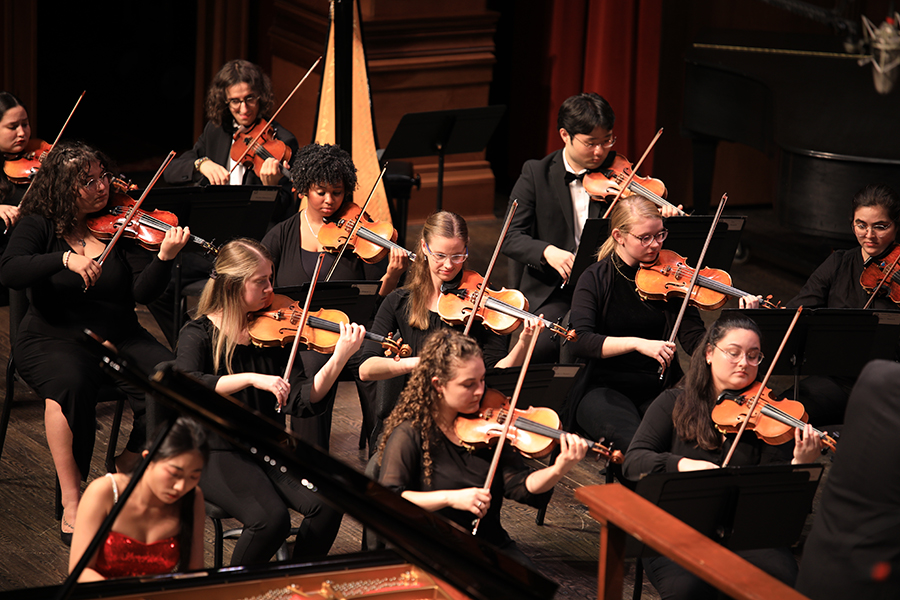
x: 474, y: 500
x: 560, y: 260
x: 9, y: 214
x: 217, y: 174
x: 690, y: 464
x: 274, y: 384
x: 661, y: 352
x: 88, y: 268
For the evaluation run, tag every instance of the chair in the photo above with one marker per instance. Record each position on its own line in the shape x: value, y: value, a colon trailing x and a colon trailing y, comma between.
x: 216, y: 513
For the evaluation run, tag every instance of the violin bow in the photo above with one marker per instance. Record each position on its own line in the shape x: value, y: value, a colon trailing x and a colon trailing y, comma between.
x: 479, y: 296
x: 356, y: 225
x: 303, y: 316
x: 135, y: 208
x: 762, y: 387
x: 694, y: 275
x: 56, y: 141
x: 887, y: 275
x: 511, y: 411
x: 634, y: 171
x: 275, y: 114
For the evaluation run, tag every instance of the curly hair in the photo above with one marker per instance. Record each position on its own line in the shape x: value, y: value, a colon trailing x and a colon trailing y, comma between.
x: 232, y: 73
x: 56, y: 185
x: 443, y: 352
x: 440, y: 224
x: 323, y: 164
x: 691, y: 415
x: 224, y: 292
x: 627, y: 213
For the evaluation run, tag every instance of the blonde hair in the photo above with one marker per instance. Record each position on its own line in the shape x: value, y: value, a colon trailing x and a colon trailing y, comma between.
x: 443, y: 224
x: 443, y: 352
x: 224, y: 294
x: 627, y: 213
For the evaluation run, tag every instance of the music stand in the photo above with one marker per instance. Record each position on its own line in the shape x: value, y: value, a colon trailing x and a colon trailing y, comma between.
x: 356, y: 299
x: 686, y: 237
x: 443, y: 132
x: 539, y: 381
x: 742, y: 508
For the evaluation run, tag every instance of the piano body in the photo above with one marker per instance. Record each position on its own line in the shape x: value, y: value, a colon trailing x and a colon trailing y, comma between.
x: 429, y: 557
x: 832, y: 132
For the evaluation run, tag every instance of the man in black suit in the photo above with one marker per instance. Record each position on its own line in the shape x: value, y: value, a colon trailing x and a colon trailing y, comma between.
x: 553, y: 206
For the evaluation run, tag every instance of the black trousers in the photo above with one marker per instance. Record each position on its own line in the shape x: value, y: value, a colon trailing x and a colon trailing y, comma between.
x: 605, y: 413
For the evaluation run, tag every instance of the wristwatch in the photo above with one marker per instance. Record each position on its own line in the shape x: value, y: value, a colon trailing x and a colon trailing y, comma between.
x: 199, y: 162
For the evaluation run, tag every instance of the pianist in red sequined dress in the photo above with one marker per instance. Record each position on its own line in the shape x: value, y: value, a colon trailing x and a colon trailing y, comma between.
x: 160, y: 528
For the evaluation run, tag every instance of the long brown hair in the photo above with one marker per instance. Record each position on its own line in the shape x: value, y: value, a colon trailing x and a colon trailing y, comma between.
x: 691, y: 415
x: 224, y: 294
x: 440, y: 224
x: 627, y: 213
x: 443, y: 352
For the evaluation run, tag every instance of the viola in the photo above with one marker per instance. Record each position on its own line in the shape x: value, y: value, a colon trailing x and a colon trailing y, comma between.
x: 603, y: 185
x: 671, y: 275
x: 22, y: 168
x: 277, y: 326
x: 147, y: 227
x: 772, y: 420
x: 533, y: 431
x: 372, y: 240
x: 501, y: 310
x: 875, y: 272
x: 253, y: 147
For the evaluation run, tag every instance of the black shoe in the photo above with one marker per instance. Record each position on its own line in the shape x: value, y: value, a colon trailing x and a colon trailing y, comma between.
x: 66, y: 537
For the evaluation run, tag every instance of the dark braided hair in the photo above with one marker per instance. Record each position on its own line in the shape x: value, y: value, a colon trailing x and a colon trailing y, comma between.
x: 323, y: 164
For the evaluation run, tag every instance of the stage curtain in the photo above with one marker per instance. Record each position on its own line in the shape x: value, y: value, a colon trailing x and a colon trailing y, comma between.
x: 610, y: 47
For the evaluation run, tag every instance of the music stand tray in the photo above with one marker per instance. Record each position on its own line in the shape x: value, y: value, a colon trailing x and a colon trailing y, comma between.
x: 545, y: 385
x: 356, y: 299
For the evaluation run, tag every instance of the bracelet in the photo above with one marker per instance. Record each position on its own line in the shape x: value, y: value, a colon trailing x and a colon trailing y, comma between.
x: 199, y: 162
x: 66, y: 259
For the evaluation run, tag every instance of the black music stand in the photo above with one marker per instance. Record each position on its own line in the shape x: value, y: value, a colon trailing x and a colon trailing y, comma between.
x: 213, y: 212
x: 837, y: 342
x: 545, y: 385
x: 443, y: 132
x: 356, y: 299
x: 686, y: 237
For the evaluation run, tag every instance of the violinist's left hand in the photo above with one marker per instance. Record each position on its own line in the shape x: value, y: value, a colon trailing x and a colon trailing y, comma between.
x: 398, y: 262
x: 572, y: 449
x: 352, y: 336
x: 749, y: 301
x: 531, y: 327
x: 806, y: 445
x: 669, y: 211
x: 175, y: 239
x: 270, y: 172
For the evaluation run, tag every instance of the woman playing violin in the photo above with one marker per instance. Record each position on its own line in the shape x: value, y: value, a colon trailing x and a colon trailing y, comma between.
x: 836, y: 284
x: 622, y: 337
x: 216, y: 349
x: 239, y: 95
x: 54, y: 255
x: 326, y: 176
x: 678, y: 434
x: 424, y: 460
x: 15, y: 133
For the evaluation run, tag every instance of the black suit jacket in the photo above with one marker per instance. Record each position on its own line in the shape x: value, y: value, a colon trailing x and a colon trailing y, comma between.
x: 544, y: 216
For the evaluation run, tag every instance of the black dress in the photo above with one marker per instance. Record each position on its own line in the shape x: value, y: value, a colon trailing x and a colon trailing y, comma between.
x: 50, y: 353
x: 253, y: 492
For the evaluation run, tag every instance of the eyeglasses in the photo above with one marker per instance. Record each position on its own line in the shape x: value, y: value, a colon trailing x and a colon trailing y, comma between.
x: 456, y: 259
x: 91, y: 185
x: 248, y: 100
x: 754, y: 357
x: 645, y: 240
x: 607, y: 144
x: 877, y: 227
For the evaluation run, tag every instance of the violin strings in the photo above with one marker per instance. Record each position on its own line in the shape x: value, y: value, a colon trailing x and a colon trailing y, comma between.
x: 777, y: 413
x: 709, y: 283
x: 534, y: 427
x: 512, y: 311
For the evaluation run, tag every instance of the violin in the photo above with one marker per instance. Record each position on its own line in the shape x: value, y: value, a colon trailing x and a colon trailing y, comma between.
x: 147, y: 227
x: 772, y: 420
x: 875, y: 272
x: 533, y: 431
x: 671, y: 274
x: 501, y: 310
x: 603, y: 185
x: 254, y: 146
x: 372, y: 240
x: 22, y: 168
x: 277, y: 326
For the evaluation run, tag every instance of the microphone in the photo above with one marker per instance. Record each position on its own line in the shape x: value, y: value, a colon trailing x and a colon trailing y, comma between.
x: 884, y: 42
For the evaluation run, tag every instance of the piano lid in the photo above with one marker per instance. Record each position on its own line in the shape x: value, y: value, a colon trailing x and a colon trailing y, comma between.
x: 438, y: 546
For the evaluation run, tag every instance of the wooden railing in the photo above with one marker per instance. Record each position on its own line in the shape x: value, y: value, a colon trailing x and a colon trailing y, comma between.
x: 621, y: 512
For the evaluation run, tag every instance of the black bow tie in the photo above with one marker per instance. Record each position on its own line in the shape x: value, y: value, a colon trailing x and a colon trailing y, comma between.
x: 570, y: 177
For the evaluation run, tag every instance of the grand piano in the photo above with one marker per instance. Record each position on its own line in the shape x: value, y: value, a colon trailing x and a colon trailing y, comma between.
x: 430, y: 557
x: 820, y: 114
